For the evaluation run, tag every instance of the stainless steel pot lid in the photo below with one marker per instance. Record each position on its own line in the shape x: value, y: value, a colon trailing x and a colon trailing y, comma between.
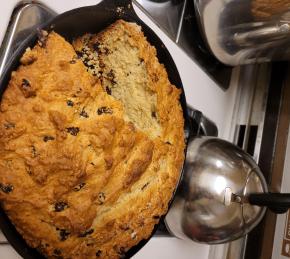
x: 223, y: 194
x: 221, y: 175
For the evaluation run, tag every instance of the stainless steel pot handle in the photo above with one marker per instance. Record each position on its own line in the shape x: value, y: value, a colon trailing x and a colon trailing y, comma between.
x: 269, y: 33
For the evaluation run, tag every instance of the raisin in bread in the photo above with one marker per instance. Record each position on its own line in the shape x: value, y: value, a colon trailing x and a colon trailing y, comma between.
x: 76, y: 179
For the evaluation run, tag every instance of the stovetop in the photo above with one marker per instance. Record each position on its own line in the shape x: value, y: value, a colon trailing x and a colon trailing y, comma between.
x: 202, y: 93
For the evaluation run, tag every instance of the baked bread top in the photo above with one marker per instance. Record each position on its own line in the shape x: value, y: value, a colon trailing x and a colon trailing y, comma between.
x: 269, y: 8
x: 76, y: 179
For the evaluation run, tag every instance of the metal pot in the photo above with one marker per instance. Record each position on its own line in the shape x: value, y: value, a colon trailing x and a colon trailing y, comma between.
x: 245, y: 31
x: 222, y: 195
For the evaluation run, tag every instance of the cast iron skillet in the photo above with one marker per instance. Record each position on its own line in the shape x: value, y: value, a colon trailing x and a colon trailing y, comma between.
x: 70, y: 25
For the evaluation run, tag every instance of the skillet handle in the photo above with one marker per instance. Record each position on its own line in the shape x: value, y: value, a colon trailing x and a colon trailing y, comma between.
x: 195, y: 118
x: 200, y: 125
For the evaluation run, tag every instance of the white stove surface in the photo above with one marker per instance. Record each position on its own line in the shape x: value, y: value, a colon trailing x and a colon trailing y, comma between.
x: 201, y: 92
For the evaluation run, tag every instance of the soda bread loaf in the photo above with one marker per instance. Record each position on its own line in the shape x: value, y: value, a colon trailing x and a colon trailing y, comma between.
x: 77, y: 179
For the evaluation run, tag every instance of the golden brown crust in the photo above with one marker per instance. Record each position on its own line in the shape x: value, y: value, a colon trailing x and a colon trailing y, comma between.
x: 75, y: 178
x: 269, y: 8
